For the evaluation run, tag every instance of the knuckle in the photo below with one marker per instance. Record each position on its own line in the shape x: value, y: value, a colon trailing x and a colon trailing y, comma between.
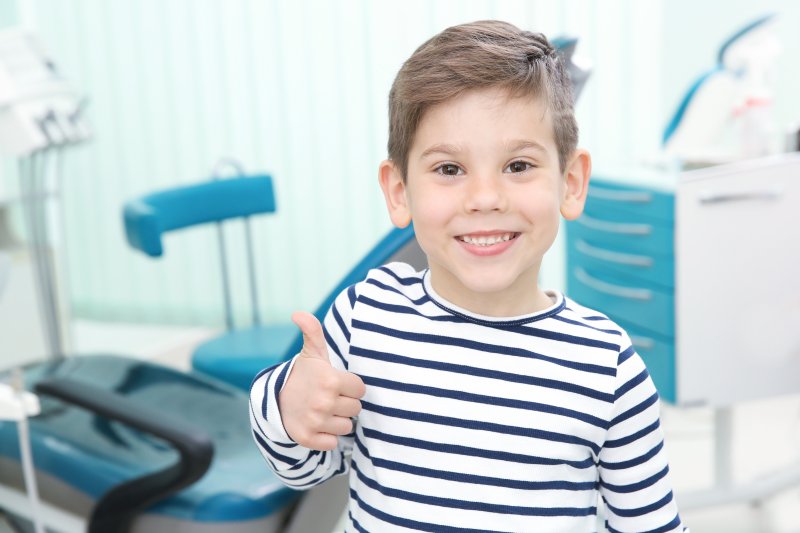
x: 332, y: 381
x: 315, y: 422
x: 321, y: 404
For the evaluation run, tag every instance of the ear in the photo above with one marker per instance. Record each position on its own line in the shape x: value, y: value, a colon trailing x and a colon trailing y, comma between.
x: 576, y: 184
x: 394, y: 192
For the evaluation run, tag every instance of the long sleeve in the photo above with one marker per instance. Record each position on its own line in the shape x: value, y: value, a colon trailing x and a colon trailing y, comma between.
x: 299, y: 467
x: 634, y: 474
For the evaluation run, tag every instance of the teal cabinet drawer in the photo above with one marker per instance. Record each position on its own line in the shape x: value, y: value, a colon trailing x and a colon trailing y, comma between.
x: 658, y: 354
x: 630, y: 201
x: 636, y: 266
x: 646, y: 305
x: 636, y: 237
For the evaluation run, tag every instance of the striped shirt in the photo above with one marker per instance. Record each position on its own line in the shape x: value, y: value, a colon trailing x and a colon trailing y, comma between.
x: 475, y: 424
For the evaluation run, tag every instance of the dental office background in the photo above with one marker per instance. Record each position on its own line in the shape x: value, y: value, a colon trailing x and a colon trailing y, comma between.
x: 298, y: 89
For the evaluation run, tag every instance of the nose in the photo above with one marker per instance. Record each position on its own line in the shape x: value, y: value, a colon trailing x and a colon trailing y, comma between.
x: 485, y: 193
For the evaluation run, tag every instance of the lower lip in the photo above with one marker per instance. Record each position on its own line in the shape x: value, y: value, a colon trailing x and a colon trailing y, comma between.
x: 490, y: 250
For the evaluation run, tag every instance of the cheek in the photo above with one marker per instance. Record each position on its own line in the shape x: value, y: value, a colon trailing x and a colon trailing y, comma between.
x: 430, y: 210
x: 545, y: 208
x: 431, y: 222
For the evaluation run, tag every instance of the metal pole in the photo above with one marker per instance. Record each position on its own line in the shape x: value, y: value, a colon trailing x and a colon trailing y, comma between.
x: 47, y: 258
x: 251, y: 263
x: 31, y: 198
x: 226, y: 290
x: 217, y: 174
x: 723, y: 446
x: 725, y: 491
x: 28, y: 472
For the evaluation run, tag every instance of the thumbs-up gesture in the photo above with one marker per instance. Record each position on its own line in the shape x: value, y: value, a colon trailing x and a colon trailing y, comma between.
x: 317, y: 400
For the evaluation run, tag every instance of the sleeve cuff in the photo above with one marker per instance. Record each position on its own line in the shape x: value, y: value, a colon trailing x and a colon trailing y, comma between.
x: 264, y: 403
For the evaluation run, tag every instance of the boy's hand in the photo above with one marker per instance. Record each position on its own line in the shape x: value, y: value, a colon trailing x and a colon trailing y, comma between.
x: 317, y: 401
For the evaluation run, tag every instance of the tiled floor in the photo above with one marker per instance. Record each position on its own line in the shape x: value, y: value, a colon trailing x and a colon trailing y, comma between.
x: 766, y: 435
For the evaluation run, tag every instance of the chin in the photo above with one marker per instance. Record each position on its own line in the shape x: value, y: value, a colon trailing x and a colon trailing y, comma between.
x: 488, y: 284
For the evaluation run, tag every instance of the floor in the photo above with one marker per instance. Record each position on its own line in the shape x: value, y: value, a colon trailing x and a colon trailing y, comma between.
x: 766, y: 436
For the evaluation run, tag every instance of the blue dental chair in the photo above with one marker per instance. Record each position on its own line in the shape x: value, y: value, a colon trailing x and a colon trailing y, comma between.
x: 134, y: 446
x: 148, y: 218
x: 238, y: 355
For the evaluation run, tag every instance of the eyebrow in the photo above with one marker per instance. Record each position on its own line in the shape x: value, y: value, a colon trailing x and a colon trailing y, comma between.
x: 452, y: 149
x: 517, y: 145
x: 447, y: 149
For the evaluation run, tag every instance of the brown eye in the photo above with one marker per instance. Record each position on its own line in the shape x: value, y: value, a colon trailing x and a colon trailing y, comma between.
x: 449, y: 169
x: 518, y: 166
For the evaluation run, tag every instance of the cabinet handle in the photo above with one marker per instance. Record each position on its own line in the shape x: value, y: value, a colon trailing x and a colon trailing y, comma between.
x: 643, y: 342
x: 629, y: 293
x: 634, y: 197
x: 707, y: 197
x: 613, y: 257
x: 615, y: 227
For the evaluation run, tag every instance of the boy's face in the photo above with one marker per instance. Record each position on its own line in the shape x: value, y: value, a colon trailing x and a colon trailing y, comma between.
x: 485, y: 193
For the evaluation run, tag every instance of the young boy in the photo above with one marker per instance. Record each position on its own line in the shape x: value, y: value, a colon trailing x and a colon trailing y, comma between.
x: 483, y: 402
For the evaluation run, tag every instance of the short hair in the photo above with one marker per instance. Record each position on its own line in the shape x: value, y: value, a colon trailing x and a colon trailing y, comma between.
x: 480, y: 55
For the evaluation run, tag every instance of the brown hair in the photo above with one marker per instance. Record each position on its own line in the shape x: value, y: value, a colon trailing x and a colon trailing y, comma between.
x: 480, y: 55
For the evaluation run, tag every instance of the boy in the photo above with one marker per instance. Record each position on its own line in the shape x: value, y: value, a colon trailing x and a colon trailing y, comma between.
x: 483, y: 403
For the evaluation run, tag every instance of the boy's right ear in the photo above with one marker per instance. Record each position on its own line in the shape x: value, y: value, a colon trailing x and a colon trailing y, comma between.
x: 394, y: 192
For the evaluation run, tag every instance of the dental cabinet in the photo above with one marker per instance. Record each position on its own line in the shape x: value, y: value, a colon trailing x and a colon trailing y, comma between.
x: 702, y: 270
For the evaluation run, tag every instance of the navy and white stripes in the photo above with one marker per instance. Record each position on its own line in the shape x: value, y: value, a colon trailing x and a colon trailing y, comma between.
x: 472, y: 423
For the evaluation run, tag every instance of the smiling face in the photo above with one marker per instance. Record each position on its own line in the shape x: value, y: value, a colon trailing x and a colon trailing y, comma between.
x: 485, y: 193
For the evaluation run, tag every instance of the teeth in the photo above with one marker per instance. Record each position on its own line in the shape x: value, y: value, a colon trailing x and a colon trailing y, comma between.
x: 487, y: 241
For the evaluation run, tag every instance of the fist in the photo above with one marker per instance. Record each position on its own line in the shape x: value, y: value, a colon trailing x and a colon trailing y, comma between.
x: 318, y: 400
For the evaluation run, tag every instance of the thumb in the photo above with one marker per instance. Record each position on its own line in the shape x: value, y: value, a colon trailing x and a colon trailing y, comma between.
x: 314, y: 344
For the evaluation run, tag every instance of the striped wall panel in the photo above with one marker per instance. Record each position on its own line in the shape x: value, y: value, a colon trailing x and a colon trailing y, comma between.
x: 297, y: 89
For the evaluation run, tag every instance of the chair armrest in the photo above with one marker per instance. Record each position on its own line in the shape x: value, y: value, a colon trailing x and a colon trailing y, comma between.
x: 117, y: 508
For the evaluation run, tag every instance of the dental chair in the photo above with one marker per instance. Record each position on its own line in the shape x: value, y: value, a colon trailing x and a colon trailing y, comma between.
x: 238, y: 355
x: 149, y: 218
x: 132, y: 446
x: 126, y: 445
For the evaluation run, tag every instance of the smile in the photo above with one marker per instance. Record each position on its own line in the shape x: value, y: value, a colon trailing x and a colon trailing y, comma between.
x: 487, y: 240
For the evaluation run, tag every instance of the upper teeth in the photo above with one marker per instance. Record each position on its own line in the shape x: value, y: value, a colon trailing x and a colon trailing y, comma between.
x: 487, y: 240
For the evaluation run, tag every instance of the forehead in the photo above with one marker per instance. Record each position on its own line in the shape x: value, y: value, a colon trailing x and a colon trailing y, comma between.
x: 485, y: 118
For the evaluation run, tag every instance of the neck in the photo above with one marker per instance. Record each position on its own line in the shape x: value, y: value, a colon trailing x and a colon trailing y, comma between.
x: 509, y: 303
